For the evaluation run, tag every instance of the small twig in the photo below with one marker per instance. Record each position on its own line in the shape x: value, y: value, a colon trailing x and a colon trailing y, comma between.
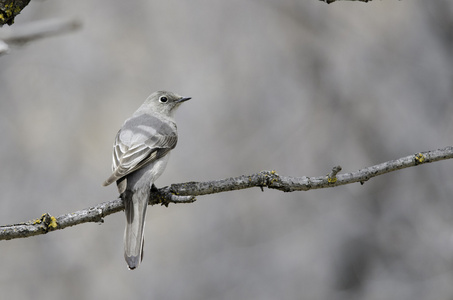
x: 186, y: 192
x: 332, y: 176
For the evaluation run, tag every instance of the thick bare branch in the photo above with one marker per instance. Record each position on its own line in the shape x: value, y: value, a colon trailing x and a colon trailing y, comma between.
x: 186, y: 192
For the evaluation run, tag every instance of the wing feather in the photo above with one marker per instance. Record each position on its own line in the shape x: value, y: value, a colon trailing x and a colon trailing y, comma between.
x: 145, y: 148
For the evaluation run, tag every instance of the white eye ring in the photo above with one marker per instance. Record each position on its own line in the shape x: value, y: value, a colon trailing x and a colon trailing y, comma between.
x: 163, y: 99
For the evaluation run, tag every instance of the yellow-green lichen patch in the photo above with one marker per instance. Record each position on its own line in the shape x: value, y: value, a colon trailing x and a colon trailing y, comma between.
x: 40, y: 220
x: 37, y: 221
x: 419, y: 158
x: 53, y: 222
x: 332, y: 179
x: 9, y: 11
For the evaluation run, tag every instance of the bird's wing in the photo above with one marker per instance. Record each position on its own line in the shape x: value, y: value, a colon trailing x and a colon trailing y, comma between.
x: 139, y: 147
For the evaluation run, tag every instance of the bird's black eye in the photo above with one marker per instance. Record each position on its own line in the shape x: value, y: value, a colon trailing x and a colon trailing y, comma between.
x: 163, y: 99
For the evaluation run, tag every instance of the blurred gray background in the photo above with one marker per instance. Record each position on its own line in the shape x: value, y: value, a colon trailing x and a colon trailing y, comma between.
x: 295, y: 86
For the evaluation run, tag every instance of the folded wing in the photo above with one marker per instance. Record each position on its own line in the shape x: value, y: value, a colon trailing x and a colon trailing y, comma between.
x: 145, y: 149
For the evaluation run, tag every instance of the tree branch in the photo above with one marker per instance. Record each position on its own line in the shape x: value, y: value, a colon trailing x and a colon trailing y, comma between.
x: 186, y: 192
x: 9, y: 9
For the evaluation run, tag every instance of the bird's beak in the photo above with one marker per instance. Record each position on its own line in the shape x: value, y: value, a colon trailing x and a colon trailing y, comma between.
x: 183, y: 99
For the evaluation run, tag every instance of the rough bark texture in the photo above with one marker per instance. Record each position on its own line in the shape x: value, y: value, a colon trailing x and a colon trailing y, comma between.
x: 9, y: 9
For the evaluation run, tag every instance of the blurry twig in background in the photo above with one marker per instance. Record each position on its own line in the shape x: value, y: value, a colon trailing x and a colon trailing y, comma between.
x: 186, y: 192
x: 331, y: 1
x: 36, y: 30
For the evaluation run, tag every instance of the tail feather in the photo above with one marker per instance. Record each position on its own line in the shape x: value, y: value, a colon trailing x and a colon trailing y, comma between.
x: 135, y: 209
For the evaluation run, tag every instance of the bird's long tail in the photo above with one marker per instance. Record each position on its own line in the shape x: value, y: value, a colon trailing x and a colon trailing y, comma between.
x: 135, y: 208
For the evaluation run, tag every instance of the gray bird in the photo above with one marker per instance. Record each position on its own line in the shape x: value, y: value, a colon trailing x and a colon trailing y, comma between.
x: 140, y: 154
